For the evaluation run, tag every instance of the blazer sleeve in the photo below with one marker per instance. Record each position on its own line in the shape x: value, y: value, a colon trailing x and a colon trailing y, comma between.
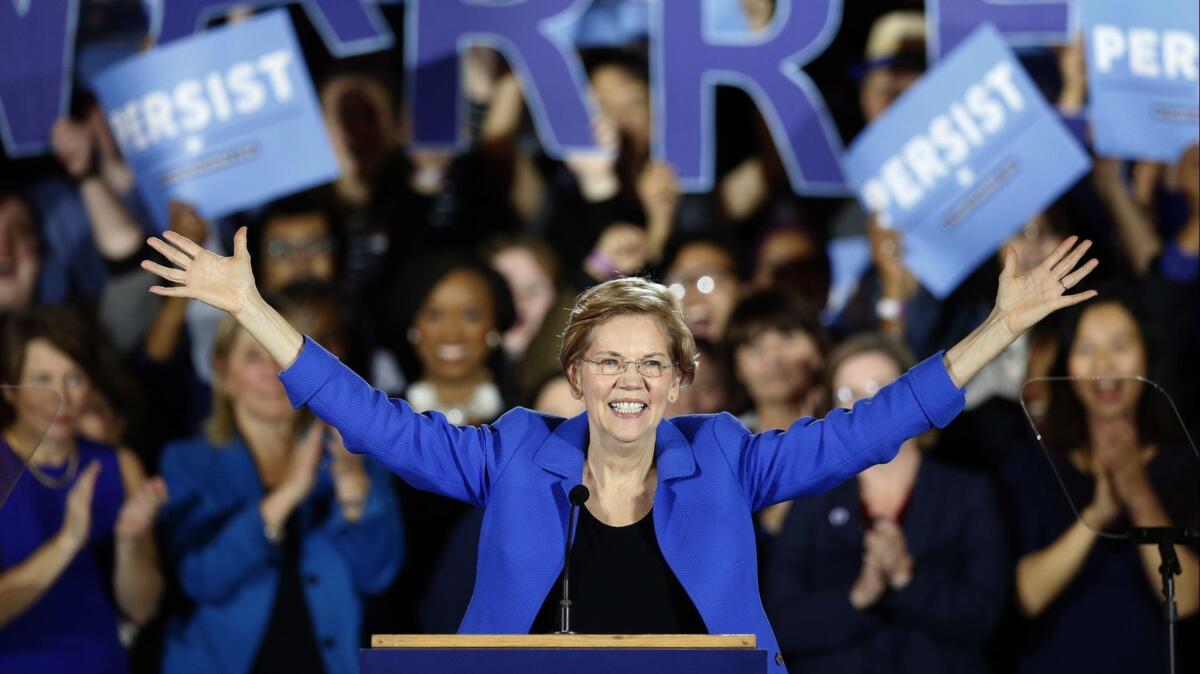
x: 373, y: 546
x: 213, y: 551
x: 426, y: 450
x: 814, y: 455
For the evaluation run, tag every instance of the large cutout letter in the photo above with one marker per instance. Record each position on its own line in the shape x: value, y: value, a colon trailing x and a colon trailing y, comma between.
x: 37, y: 40
x: 550, y: 71
x: 348, y: 27
x: 688, y: 64
x: 1023, y: 23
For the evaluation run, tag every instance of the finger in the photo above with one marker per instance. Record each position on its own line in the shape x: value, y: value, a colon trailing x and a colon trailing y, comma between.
x: 313, y: 440
x: 172, y: 275
x: 176, y: 256
x: 1059, y: 252
x: 1070, y: 280
x: 240, y: 248
x: 1068, y: 263
x: 1010, y: 262
x: 171, y: 291
x: 187, y: 245
x: 1065, y: 301
x: 158, y: 487
x: 86, y: 484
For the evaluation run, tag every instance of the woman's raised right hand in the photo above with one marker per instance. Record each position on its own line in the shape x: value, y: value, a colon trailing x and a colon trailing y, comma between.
x: 226, y: 283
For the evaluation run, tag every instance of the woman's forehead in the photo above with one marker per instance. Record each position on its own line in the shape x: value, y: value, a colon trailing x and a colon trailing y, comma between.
x: 630, y: 335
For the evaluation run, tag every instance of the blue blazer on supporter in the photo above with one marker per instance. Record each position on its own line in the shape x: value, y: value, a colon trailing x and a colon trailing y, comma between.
x: 212, y: 531
x: 712, y: 474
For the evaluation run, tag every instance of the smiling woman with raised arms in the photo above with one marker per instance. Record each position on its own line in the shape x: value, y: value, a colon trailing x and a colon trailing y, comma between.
x: 666, y: 543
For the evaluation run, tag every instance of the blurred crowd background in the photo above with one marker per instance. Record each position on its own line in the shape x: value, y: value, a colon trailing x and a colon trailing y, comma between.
x: 445, y: 279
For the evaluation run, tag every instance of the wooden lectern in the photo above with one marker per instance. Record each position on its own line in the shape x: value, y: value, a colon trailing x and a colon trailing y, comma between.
x: 574, y: 653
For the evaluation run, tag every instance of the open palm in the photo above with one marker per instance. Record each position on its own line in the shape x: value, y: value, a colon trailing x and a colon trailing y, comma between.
x: 226, y: 283
x: 1025, y: 299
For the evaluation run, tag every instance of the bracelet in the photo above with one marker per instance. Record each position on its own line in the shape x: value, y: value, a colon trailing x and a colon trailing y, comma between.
x: 273, y: 534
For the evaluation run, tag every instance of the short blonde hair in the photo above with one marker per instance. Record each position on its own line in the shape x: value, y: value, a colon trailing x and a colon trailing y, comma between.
x: 220, y: 427
x: 629, y: 296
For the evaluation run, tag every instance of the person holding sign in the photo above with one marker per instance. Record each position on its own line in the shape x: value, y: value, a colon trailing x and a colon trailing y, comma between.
x: 689, y: 484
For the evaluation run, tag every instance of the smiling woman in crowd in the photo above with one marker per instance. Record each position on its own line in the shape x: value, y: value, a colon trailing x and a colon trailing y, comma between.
x: 76, y: 535
x: 900, y: 570
x: 1124, y: 463
x: 666, y: 542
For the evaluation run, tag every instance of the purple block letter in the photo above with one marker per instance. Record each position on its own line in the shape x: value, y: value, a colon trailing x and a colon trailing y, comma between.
x: 36, y: 43
x: 550, y: 71
x: 348, y: 27
x: 1024, y: 23
x: 688, y: 64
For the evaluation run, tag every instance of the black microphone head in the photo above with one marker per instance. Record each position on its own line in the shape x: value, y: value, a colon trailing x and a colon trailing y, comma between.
x: 579, y: 495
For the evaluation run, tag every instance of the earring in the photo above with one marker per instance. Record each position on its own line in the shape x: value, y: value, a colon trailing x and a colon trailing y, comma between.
x: 493, y: 339
x: 671, y: 398
x: 414, y: 336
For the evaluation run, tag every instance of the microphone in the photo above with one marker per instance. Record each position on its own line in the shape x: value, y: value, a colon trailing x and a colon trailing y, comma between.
x: 578, y: 496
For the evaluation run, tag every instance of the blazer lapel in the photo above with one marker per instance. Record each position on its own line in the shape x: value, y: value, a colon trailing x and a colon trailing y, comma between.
x: 676, y: 464
x: 562, y: 455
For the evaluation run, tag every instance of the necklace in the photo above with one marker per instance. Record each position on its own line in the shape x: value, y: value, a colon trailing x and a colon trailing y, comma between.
x: 44, y: 479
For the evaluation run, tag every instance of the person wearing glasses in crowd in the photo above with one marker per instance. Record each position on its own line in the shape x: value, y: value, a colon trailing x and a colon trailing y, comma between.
x: 900, y: 570
x: 666, y: 541
x: 77, y: 545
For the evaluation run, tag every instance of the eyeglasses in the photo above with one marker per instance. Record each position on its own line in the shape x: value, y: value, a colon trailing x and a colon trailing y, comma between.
x: 704, y: 283
x: 279, y: 248
x: 848, y: 395
x: 647, y: 367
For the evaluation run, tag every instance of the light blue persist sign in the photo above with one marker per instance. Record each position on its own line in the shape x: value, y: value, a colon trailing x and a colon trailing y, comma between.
x: 1143, y: 76
x: 226, y: 119
x: 963, y: 159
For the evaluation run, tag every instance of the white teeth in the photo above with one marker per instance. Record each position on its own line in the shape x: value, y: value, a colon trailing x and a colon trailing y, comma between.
x: 451, y: 352
x: 627, y: 407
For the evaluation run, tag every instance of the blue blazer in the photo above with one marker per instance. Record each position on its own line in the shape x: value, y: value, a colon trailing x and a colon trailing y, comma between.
x: 712, y: 474
x: 212, y: 531
x: 937, y: 623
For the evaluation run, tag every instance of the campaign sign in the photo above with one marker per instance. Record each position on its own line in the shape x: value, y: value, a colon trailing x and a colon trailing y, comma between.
x: 1143, y: 76
x: 962, y: 160
x: 1023, y: 23
x: 226, y: 119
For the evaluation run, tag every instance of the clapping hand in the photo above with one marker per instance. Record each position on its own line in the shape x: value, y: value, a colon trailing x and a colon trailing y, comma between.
x: 137, y: 514
x: 887, y: 550
x: 77, y: 517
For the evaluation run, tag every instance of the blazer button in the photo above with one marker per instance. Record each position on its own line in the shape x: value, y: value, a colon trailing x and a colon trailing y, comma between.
x: 779, y: 659
x: 312, y: 579
x: 327, y: 642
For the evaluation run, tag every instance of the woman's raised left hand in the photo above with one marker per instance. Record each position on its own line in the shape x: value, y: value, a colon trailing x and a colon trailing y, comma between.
x: 1025, y: 299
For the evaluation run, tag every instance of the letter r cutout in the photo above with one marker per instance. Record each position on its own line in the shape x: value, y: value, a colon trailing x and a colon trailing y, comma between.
x: 687, y: 65
x: 552, y: 77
